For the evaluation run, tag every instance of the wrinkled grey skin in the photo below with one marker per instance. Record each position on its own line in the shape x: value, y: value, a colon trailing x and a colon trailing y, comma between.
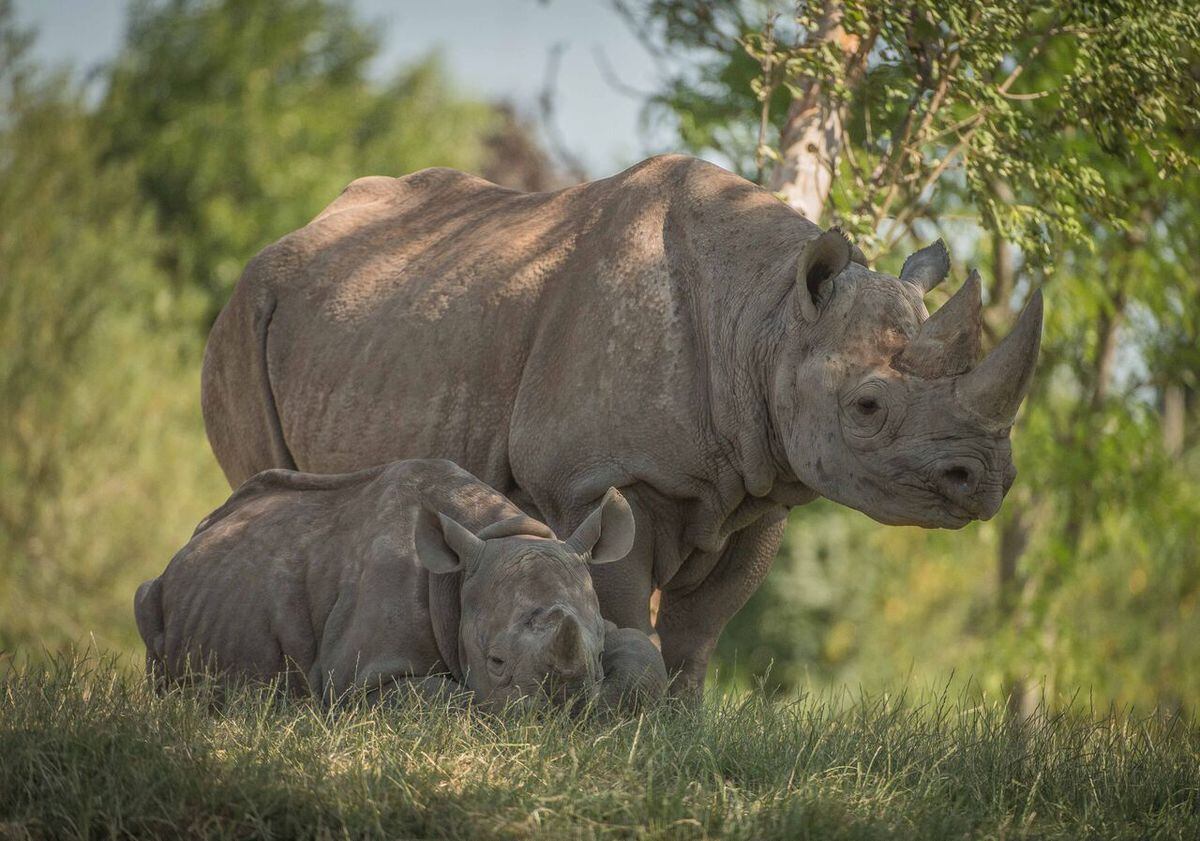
x: 411, y: 573
x: 673, y: 331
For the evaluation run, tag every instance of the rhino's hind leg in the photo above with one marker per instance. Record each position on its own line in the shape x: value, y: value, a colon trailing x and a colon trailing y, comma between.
x: 236, y: 398
x: 148, y: 613
x: 689, y: 624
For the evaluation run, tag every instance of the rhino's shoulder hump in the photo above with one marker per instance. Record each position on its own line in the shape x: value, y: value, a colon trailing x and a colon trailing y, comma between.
x: 384, y: 191
x: 678, y: 171
x: 684, y: 181
x: 439, y: 177
x: 360, y: 191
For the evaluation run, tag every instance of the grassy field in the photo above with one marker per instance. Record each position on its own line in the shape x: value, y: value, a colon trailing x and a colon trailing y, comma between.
x: 87, y: 751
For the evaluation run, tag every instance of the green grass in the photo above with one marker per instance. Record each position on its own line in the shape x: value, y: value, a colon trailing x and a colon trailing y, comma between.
x: 87, y: 750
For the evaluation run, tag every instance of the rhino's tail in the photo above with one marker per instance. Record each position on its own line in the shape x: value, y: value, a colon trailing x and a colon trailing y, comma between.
x: 148, y: 612
x: 240, y: 412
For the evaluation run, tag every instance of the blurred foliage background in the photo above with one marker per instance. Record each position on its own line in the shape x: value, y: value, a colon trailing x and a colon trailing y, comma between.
x: 1054, y: 149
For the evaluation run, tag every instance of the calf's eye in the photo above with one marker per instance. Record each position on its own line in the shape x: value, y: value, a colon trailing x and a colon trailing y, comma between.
x: 868, y: 405
x: 495, y: 662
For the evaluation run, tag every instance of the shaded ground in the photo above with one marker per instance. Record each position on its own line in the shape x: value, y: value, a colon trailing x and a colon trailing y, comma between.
x: 86, y: 750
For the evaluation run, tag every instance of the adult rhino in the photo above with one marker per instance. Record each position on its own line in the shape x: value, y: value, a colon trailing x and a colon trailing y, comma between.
x: 674, y: 331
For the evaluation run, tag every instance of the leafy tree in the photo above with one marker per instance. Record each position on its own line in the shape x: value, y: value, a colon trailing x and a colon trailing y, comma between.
x: 72, y: 246
x: 86, y: 388
x: 906, y: 94
x: 222, y: 125
x: 1057, y: 143
x: 243, y: 118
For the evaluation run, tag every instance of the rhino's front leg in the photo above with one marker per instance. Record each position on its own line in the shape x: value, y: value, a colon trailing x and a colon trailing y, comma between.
x: 436, y: 689
x: 634, y: 672
x: 689, y: 623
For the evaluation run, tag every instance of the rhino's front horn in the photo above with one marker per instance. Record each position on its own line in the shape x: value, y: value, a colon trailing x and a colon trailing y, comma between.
x: 995, y: 389
x: 928, y: 267
x: 948, y: 342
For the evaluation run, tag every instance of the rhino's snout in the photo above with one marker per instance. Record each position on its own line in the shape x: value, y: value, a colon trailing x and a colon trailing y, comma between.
x: 568, y: 665
x: 966, y: 485
x: 957, y: 481
x: 560, y: 692
x: 1010, y: 476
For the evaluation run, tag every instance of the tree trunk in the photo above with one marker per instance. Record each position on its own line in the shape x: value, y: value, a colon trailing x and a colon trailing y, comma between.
x: 811, y: 136
x: 1014, y: 536
x: 1014, y: 533
x: 1174, y: 414
x: 1106, y: 353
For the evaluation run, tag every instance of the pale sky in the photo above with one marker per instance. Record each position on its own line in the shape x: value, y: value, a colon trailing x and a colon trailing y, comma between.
x: 492, y: 48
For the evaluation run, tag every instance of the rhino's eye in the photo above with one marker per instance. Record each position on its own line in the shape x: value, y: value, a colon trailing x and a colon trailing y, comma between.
x: 495, y: 663
x: 868, y: 405
x: 867, y: 410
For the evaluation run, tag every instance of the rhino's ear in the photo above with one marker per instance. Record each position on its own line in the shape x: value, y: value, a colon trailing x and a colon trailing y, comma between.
x: 444, y: 545
x: 822, y: 261
x: 857, y: 256
x: 607, y: 533
x: 928, y: 267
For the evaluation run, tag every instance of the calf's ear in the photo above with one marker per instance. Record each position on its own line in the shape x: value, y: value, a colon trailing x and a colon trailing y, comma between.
x: 607, y: 533
x: 444, y: 545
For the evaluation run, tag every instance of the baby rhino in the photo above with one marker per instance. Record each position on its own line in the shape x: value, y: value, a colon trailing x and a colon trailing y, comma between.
x: 412, y: 573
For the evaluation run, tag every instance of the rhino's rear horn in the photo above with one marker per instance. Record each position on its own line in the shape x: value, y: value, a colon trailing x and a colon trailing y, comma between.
x: 995, y: 389
x: 948, y: 342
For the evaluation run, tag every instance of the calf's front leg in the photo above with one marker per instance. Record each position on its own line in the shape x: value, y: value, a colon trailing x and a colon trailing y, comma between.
x: 437, y: 689
x: 634, y: 673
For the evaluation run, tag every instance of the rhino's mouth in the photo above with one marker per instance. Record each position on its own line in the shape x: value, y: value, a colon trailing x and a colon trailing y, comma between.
x: 950, y: 514
x: 934, y: 514
x: 941, y: 512
x: 957, y: 517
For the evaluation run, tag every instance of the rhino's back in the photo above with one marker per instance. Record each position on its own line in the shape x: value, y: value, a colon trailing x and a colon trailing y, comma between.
x: 224, y: 592
x: 255, y: 585
x: 408, y: 318
x: 398, y: 278
x: 319, y: 572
